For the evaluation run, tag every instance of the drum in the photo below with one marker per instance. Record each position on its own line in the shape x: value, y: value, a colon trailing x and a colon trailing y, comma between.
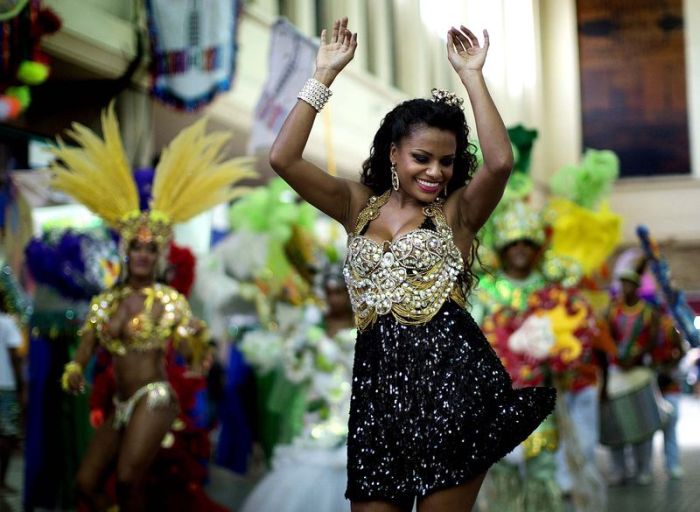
x: 634, y: 410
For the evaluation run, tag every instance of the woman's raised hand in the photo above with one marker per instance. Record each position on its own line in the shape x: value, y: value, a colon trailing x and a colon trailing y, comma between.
x: 464, y: 51
x: 335, y: 54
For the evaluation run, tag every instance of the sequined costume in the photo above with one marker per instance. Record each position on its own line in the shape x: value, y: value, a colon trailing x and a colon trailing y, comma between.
x: 158, y: 394
x: 149, y: 329
x: 497, y: 290
x: 432, y: 406
x: 525, y: 481
x: 166, y: 316
x: 190, y: 178
x: 631, y: 328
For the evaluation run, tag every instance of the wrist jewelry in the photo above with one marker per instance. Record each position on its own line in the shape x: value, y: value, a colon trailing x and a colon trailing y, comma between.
x: 68, y: 370
x: 315, y: 94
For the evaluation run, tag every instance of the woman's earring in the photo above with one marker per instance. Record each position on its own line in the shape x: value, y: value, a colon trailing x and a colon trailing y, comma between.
x: 444, y: 191
x: 394, y: 177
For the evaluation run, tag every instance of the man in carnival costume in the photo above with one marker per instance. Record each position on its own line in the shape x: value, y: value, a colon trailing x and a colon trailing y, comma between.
x: 634, y: 324
x: 544, y: 331
x: 525, y: 479
x: 137, y: 319
x: 518, y: 240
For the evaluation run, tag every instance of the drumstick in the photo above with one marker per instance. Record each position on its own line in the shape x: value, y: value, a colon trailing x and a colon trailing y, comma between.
x: 683, y: 315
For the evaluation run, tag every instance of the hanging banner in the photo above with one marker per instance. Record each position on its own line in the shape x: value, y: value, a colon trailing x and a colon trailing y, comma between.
x: 193, y: 49
x: 291, y: 59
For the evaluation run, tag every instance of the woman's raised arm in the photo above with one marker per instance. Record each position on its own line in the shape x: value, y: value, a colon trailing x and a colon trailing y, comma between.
x: 336, y: 197
x: 485, y: 190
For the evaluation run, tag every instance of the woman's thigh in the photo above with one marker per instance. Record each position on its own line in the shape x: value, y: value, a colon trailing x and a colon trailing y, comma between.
x: 460, y: 498
x: 142, y: 438
x: 99, y: 456
x: 379, y: 506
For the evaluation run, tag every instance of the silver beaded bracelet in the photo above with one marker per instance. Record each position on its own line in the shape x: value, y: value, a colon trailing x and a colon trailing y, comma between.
x: 315, y: 94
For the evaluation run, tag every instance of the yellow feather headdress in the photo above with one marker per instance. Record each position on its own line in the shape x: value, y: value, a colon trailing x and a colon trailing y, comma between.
x: 189, y: 179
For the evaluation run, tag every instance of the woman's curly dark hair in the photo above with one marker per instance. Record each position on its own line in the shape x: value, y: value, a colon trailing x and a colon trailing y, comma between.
x: 398, y: 124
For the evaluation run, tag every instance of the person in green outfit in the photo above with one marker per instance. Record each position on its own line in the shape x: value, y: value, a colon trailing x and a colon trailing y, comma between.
x: 518, y: 240
x: 525, y: 479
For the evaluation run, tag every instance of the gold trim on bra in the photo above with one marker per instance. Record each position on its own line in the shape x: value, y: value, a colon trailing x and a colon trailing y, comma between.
x: 410, y: 277
x: 148, y: 333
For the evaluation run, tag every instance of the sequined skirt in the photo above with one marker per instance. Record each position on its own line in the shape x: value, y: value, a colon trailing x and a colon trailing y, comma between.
x: 432, y: 407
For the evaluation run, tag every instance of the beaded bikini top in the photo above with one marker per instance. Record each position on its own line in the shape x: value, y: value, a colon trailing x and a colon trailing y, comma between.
x: 146, y: 330
x: 411, y: 276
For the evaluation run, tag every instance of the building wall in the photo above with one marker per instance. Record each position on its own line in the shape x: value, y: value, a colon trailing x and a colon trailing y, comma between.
x: 670, y: 207
x: 395, y: 63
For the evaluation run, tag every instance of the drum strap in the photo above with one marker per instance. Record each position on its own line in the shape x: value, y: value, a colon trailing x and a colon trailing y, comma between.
x: 630, y: 327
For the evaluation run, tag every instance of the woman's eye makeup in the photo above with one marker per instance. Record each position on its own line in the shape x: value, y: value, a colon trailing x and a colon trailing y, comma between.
x: 424, y: 159
x: 421, y: 159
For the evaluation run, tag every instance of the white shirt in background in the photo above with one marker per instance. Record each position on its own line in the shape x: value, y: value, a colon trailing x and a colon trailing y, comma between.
x: 10, y: 337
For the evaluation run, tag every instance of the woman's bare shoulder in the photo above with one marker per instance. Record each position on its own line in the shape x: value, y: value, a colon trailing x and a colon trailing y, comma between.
x: 360, y: 195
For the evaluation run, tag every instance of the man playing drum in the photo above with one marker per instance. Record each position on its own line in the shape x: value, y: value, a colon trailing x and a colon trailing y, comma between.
x: 631, y: 415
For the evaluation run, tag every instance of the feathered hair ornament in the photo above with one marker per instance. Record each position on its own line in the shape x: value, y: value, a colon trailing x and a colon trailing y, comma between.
x: 189, y: 179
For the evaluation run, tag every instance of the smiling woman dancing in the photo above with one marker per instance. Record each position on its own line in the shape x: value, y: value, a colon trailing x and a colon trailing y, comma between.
x: 137, y: 318
x: 432, y: 406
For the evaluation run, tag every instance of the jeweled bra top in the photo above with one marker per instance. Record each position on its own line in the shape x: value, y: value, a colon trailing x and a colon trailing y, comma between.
x: 143, y: 331
x: 410, y: 277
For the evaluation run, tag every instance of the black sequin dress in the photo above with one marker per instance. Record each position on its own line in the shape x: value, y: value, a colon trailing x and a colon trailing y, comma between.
x: 432, y: 406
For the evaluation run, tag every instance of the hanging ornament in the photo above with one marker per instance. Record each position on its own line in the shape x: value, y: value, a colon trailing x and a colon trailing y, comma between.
x: 22, y: 64
x: 193, y: 49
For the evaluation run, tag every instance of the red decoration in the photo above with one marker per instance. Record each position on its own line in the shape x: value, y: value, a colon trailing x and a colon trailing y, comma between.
x: 526, y: 369
x: 668, y: 347
x: 20, y: 42
x: 181, y: 261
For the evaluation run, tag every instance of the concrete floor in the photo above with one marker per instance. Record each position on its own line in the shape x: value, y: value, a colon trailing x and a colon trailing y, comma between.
x: 13, y: 502
x: 665, y: 494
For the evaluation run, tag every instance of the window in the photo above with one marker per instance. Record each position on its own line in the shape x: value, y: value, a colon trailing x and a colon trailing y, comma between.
x: 633, y: 83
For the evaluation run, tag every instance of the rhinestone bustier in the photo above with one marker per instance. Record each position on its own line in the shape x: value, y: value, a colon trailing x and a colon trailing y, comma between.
x: 145, y: 332
x: 411, y: 277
